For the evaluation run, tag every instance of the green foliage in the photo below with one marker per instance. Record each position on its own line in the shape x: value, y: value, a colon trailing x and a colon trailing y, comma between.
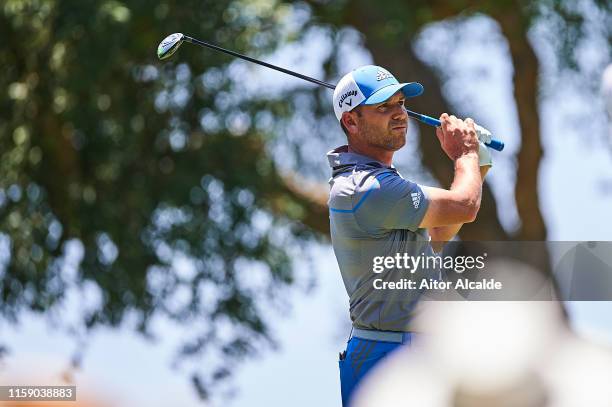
x: 143, y: 163
x: 399, y: 20
x: 573, y: 22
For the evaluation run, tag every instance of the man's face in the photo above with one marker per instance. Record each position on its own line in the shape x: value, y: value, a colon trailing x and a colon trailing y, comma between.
x: 384, y: 125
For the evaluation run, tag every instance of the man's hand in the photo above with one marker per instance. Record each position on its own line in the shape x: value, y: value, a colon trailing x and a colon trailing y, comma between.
x: 457, y: 137
x: 459, y: 204
x: 484, y: 156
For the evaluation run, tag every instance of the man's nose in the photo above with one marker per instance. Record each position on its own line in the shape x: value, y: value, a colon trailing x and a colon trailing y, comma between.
x: 399, y: 112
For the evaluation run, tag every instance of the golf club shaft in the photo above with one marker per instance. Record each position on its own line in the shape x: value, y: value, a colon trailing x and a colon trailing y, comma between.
x: 267, y: 65
x: 494, y: 144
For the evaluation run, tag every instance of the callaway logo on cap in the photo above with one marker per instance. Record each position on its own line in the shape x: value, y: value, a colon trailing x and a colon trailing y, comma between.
x: 369, y: 85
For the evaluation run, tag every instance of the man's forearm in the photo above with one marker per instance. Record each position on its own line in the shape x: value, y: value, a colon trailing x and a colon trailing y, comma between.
x: 467, y: 182
x: 442, y: 234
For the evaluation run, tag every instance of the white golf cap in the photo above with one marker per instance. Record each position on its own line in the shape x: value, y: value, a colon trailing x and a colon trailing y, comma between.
x: 369, y: 85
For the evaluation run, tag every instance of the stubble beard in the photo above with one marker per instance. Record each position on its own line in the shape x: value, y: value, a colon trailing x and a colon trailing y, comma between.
x: 386, y: 139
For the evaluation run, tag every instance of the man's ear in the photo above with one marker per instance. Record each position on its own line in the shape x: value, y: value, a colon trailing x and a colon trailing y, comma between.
x: 350, y: 122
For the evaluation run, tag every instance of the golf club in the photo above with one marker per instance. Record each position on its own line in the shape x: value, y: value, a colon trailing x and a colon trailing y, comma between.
x: 172, y: 42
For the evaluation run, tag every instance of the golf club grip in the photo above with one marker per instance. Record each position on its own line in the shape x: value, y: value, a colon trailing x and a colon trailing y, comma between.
x: 494, y: 144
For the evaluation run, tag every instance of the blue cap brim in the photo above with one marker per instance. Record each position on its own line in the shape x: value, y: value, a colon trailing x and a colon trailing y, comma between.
x: 410, y: 90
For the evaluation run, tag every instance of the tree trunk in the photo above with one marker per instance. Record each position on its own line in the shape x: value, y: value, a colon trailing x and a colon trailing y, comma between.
x: 525, y: 93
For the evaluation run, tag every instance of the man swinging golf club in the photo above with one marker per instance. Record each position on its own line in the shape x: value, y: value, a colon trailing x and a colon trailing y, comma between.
x: 376, y: 213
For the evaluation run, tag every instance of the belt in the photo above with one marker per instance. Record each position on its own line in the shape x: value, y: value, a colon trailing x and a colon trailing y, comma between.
x: 385, y: 336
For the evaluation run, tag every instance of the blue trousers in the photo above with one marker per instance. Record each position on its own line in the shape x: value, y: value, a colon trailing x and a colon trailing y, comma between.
x: 359, y: 358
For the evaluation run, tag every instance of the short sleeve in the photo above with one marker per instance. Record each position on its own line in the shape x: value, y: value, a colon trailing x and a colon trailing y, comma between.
x: 388, y: 202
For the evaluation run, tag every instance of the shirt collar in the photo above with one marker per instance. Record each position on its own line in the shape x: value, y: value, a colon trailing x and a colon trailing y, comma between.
x: 340, y: 157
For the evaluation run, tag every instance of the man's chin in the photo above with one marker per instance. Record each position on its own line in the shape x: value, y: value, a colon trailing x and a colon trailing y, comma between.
x: 396, y: 147
x: 396, y: 143
x: 392, y: 143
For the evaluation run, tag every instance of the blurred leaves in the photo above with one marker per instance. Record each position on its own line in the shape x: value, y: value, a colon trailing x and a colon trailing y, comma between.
x: 573, y: 22
x: 145, y: 185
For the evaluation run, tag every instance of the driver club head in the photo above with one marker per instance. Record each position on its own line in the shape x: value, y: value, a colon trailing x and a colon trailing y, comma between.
x: 169, y: 45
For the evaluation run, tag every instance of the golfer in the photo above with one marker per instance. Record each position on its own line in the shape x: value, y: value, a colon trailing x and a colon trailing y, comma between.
x: 376, y: 213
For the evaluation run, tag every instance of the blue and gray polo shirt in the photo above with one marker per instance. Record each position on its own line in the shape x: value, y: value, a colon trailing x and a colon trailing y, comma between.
x: 375, y: 212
